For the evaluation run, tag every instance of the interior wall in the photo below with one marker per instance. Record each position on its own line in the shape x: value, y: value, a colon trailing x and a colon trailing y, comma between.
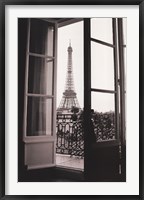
x: 22, y: 40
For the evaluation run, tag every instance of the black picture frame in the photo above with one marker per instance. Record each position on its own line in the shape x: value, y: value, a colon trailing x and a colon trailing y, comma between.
x: 3, y: 3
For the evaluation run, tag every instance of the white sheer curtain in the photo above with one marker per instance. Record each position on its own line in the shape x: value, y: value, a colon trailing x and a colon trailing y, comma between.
x: 40, y: 82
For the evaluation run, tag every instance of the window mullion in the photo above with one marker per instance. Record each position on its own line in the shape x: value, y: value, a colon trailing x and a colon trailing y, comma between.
x: 122, y: 84
x: 102, y: 42
x: 115, y: 39
x: 26, y: 80
x: 103, y: 91
x: 87, y: 93
x: 40, y: 55
x: 39, y: 95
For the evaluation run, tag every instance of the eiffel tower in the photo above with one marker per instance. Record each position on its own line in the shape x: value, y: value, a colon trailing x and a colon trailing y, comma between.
x: 69, y: 98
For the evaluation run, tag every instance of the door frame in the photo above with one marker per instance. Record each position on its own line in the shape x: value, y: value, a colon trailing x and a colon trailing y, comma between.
x: 87, y: 90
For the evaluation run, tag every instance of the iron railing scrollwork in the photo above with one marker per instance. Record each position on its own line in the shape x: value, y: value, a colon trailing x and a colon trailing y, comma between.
x: 70, y: 139
x: 70, y: 134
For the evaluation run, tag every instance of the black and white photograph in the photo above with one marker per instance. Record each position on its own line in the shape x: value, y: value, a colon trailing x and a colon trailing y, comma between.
x: 72, y: 97
x: 72, y: 94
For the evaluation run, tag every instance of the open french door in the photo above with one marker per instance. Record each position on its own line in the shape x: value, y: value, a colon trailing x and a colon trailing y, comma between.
x: 104, y: 94
x: 102, y: 157
x: 40, y: 94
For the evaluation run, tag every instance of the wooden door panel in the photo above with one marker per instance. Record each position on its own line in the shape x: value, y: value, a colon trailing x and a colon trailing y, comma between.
x: 40, y: 94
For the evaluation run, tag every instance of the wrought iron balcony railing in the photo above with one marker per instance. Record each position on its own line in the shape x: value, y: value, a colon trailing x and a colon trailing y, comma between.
x: 70, y: 135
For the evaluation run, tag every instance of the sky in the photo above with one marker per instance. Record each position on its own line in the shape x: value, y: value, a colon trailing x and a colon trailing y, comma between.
x: 102, y: 66
x: 73, y: 33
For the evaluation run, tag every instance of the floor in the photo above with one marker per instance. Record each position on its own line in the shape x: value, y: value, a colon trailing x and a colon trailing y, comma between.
x: 70, y: 162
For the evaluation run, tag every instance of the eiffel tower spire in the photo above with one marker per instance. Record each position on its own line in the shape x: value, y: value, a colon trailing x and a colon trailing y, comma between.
x: 69, y: 98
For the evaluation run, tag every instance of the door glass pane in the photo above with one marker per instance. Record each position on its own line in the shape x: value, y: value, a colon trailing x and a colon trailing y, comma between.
x: 102, y: 66
x: 39, y: 116
x: 103, y: 116
x: 40, y: 76
x: 101, y: 29
x: 41, y: 37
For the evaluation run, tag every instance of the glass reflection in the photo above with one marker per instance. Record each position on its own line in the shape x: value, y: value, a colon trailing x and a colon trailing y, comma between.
x: 41, y: 37
x: 39, y: 116
x: 103, y: 116
x: 102, y: 67
x: 40, y: 76
x: 101, y: 29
